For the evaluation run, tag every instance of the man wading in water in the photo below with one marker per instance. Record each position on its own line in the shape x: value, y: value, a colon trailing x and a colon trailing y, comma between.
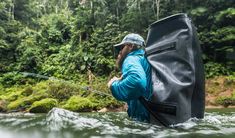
x: 136, y: 76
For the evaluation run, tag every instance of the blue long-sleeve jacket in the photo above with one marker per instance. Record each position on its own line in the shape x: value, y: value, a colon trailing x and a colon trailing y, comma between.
x: 136, y: 82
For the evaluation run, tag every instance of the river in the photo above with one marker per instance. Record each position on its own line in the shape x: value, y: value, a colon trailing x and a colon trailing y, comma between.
x: 60, y: 123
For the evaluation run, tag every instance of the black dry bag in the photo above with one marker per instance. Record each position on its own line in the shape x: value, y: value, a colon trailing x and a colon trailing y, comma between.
x: 178, y: 81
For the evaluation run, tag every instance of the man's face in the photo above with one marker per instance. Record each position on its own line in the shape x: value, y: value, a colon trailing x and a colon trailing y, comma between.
x: 124, y: 50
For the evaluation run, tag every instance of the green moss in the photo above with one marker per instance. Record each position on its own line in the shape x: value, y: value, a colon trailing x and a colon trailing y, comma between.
x: 1, y: 89
x: 225, y: 101
x: 12, y: 95
x: 77, y: 103
x: 27, y: 91
x: 233, y: 94
x: 222, y: 88
x: 41, y: 87
x: 62, y: 90
x: 19, y: 104
x: 22, y: 98
x: 26, y: 102
x: 219, y: 84
x: 229, y: 82
x: 100, y: 101
x: 3, y: 105
x: 43, y: 106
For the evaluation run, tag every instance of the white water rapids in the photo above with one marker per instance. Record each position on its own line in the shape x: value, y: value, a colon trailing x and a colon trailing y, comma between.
x: 60, y: 123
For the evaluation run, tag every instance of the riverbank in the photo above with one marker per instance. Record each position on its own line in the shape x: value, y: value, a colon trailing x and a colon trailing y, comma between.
x: 42, y: 96
x: 124, y: 108
x: 220, y: 92
x: 218, y: 107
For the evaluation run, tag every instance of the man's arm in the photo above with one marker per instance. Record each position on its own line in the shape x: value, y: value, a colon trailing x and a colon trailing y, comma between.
x: 133, y: 84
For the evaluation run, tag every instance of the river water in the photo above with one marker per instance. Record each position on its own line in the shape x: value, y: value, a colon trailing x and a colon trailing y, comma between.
x: 60, y: 123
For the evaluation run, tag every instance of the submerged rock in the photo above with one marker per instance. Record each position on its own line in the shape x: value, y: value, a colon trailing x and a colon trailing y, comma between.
x: 58, y: 119
x: 43, y: 106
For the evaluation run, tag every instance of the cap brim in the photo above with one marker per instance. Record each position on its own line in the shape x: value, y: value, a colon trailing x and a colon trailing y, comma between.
x: 117, y: 45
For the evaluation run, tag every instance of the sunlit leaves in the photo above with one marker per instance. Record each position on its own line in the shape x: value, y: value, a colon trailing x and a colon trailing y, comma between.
x: 226, y: 17
x: 199, y: 11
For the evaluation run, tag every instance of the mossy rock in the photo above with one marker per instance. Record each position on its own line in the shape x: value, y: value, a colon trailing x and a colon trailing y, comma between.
x: 78, y: 103
x: 25, y: 102
x: 43, y: 106
x: 230, y: 81
x: 62, y: 90
x: 3, y: 106
x: 104, y: 101
x: 1, y: 89
x: 27, y: 91
x: 12, y: 94
x: 225, y: 101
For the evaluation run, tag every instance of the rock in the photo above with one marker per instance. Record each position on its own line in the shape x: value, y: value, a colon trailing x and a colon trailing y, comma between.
x: 3, y: 105
x: 27, y: 91
x: 77, y: 103
x: 103, y: 110
x: 43, y: 106
x: 25, y: 102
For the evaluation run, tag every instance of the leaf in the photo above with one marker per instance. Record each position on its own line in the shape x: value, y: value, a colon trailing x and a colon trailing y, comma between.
x: 83, y: 67
x: 85, y: 58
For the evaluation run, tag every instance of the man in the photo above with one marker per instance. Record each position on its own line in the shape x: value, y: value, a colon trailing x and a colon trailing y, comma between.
x: 136, y: 76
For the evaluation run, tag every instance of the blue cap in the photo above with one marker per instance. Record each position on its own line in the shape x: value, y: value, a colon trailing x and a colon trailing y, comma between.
x: 132, y: 39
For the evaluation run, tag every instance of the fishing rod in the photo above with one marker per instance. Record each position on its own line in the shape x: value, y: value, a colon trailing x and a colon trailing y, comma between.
x: 86, y: 88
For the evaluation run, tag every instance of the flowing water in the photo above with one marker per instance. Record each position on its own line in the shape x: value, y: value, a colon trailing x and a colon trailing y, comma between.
x: 60, y: 123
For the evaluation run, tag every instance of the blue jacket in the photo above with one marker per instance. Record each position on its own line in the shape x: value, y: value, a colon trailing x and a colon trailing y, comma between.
x: 136, y: 82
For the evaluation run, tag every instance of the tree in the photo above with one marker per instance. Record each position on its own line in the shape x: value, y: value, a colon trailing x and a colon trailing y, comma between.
x: 158, y: 8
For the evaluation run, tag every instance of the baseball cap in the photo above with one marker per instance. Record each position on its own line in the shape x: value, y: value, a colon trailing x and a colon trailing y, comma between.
x: 133, y: 39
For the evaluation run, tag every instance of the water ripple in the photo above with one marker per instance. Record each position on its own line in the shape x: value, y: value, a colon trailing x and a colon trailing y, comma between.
x: 59, y: 123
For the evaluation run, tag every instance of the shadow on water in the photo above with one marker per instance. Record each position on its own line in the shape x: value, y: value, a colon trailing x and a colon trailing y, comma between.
x: 60, y: 123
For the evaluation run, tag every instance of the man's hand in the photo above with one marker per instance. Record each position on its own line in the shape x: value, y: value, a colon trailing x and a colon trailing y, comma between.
x: 112, y: 80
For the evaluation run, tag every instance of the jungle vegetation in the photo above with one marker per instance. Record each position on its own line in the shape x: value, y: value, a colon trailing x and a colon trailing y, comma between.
x: 72, y: 40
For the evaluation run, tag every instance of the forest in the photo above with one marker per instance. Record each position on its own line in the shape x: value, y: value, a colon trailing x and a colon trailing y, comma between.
x: 51, y: 49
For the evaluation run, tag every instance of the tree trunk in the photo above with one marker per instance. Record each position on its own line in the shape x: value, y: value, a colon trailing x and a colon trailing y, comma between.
x: 138, y: 6
x: 61, y: 3
x: 158, y: 8
x: 44, y: 6
x: 11, y: 10
x: 153, y: 7
x: 9, y: 13
x: 67, y: 5
x: 92, y: 12
x: 56, y: 9
x: 117, y: 10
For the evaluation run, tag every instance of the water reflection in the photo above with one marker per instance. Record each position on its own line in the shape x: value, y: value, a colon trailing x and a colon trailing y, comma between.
x: 60, y: 123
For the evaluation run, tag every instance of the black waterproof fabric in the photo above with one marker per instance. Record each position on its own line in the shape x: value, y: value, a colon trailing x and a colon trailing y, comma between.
x: 173, y: 50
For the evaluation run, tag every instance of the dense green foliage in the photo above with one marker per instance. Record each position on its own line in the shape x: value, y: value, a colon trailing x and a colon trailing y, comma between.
x: 60, y: 38
x: 72, y: 39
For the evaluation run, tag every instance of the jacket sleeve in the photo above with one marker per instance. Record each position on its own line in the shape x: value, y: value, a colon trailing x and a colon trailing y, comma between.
x: 133, y: 83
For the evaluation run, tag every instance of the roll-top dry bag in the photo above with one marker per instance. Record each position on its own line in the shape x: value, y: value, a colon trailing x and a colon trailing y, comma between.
x: 178, y: 82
